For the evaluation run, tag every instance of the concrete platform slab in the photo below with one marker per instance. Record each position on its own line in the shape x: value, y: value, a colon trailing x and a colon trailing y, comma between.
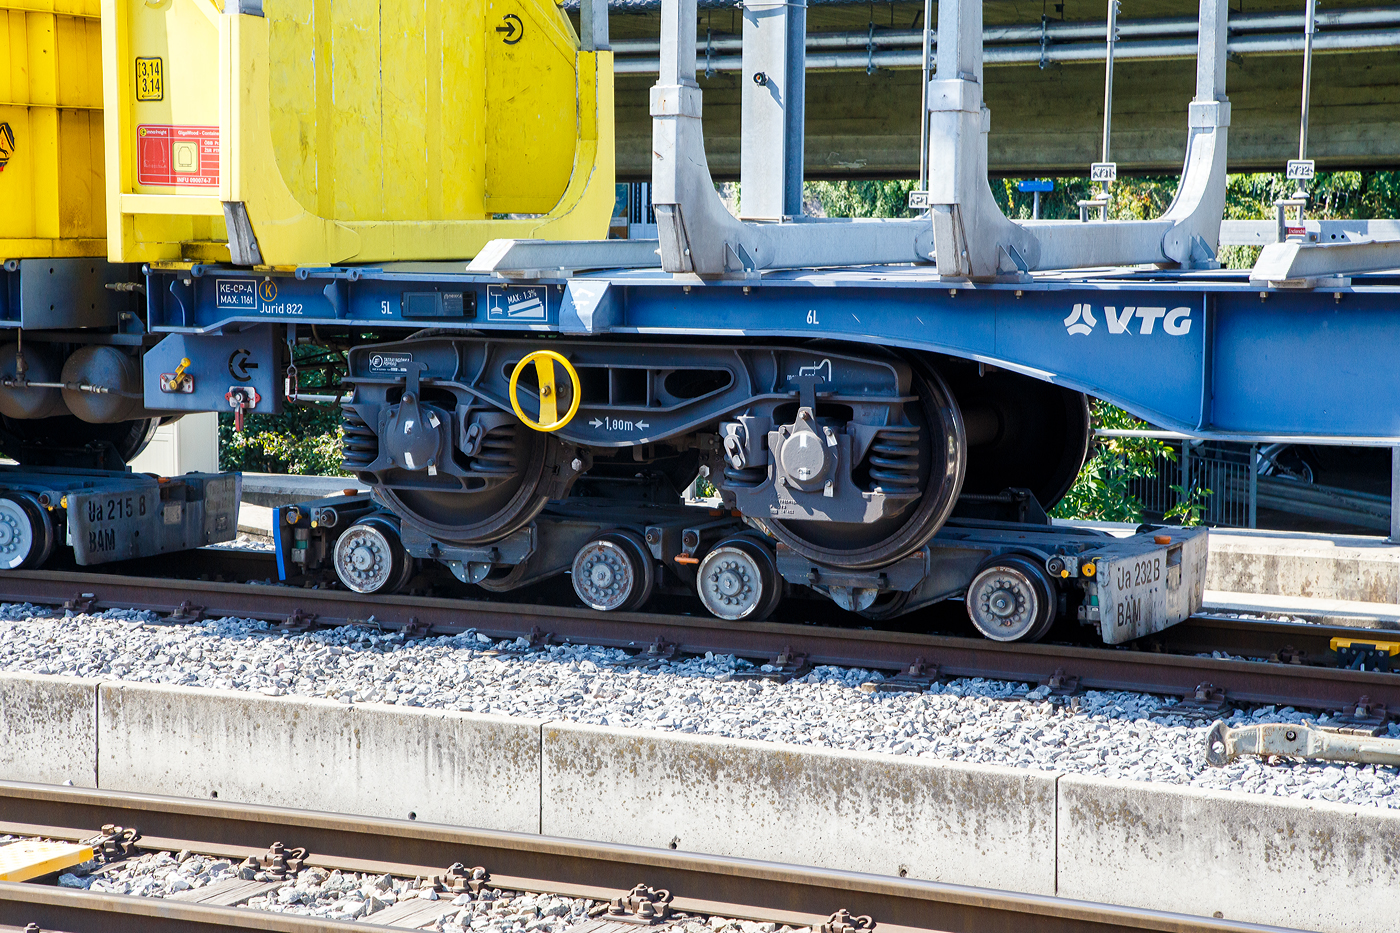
x: 1326, y: 611
x: 1271, y: 860
x: 321, y: 755
x: 274, y: 489
x: 255, y: 519
x: 48, y: 729
x: 1309, y: 865
x: 937, y: 820
x: 1351, y: 568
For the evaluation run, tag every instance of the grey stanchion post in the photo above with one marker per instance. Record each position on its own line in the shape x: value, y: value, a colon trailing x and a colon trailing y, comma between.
x: 1254, y: 486
x: 1394, y: 495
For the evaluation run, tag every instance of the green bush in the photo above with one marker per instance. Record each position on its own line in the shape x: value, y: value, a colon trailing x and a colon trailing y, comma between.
x: 861, y: 198
x: 1101, y: 492
x: 305, y: 438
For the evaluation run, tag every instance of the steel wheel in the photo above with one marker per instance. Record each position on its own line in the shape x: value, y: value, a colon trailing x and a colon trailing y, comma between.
x: 26, y: 534
x: 1021, y: 432
x: 614, y: 572
x: 738, y: 580
x: 1011, y: 599
x: 65, y: 432
x: 370, y: 558
x: 941, y: 455
x: 476, y: 516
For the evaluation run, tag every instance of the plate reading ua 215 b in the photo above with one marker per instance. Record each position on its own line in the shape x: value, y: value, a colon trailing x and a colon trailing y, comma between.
x: 516, y: 305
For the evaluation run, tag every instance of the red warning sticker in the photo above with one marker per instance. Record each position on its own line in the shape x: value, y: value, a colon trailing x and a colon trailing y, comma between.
x: 177, y: 155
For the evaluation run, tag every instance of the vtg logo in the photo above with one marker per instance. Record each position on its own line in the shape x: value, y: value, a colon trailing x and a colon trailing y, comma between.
x: 1176, y: 322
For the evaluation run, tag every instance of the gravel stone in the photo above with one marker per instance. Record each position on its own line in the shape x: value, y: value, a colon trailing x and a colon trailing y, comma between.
x: 316, y: 892
x: 246, y: 542
x: 1105, y: 733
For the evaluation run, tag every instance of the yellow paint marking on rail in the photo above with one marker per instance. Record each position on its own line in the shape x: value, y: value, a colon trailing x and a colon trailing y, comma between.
x: 20, y: 861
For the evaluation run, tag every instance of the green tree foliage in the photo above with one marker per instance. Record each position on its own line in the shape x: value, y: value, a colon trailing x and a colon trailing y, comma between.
x: 1101, y: 492
x: 303, y: 439
x: 861, y: 198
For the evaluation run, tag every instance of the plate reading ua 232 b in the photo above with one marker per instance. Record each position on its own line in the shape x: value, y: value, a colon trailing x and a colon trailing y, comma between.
x: 510, y: 304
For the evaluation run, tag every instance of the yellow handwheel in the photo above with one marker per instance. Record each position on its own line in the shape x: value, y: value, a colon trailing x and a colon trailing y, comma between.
x: 544, y: 361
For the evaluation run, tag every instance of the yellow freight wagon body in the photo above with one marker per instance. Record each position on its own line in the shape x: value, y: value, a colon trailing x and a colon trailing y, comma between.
x: 331, y: 131
x: 51, y: 189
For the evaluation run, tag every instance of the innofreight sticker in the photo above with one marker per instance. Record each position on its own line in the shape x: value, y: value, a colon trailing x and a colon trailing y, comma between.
x: 177, y: 155
x: 528, y: 305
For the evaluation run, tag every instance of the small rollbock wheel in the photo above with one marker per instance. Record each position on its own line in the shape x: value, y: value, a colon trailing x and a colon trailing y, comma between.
x: 614, y: 572
x: 738, y: 580
x: 370, y: 558
x: 26, y: 532
x: 1011, y: 599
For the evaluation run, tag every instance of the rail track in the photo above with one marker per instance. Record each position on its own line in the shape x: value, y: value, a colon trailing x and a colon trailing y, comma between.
x: 1167, y: 664
x: 700, y: 884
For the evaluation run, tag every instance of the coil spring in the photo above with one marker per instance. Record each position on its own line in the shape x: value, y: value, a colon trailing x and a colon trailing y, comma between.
x: 748, y: 476
x: 497, y: 452
x: 894, y: 459
x: 361, y: 446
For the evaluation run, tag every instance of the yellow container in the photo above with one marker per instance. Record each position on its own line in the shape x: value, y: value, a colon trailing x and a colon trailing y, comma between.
x: 350, y: 130
x: 51, y: 190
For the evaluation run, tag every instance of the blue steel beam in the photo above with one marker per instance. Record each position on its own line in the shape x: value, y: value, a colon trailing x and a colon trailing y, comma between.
x: 1206, y: 354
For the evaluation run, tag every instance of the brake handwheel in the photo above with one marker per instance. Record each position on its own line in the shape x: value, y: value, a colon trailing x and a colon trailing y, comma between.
x: 549, y: 419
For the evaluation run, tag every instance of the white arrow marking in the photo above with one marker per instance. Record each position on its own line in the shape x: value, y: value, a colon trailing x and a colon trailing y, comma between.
x: 597, y: 422
x: 643, y: 425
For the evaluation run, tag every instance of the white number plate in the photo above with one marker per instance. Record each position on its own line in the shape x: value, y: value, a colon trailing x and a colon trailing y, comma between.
x: 1103, y: 171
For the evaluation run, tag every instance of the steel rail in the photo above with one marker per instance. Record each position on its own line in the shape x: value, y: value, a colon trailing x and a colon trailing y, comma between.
x: 1151, y: 671
x: 60, y: 910
x: 745, y: 889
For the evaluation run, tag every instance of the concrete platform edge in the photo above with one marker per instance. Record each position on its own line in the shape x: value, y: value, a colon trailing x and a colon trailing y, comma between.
x: 48, y: 728
x: 1328, y: 867
x: 859, y: 811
